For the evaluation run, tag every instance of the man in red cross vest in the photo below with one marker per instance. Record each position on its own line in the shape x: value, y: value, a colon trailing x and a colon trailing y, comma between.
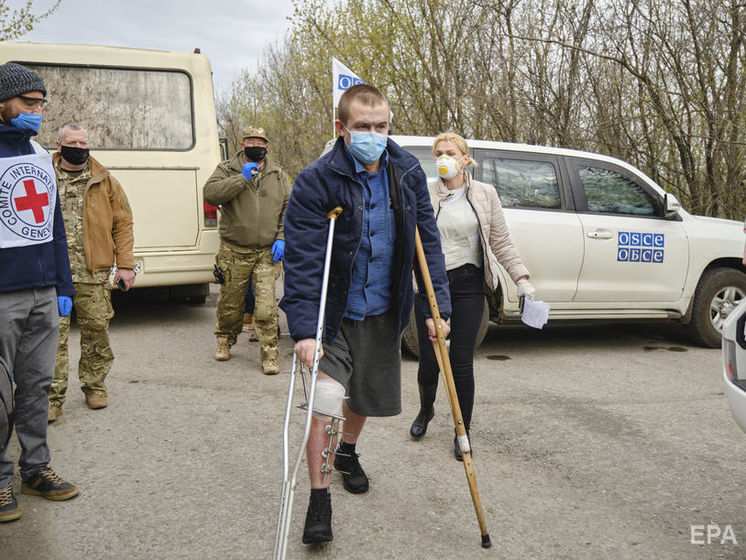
x: 35, y: 285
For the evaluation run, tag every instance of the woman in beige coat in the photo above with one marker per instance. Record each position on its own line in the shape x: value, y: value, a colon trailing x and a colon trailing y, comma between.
x: 475, y: 238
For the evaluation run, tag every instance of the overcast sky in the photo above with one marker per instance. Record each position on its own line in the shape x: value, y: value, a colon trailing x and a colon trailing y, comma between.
x: 232, y: 33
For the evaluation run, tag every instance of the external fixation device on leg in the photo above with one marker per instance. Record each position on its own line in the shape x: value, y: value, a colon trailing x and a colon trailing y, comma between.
x: 321, y: 405
x: 327, y: 403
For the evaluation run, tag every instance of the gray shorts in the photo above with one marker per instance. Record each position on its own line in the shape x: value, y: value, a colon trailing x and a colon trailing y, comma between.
x: 366, y: 359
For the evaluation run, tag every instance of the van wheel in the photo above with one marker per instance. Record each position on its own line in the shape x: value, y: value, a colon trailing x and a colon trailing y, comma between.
x: 410, y: 340
x: 718, y: 293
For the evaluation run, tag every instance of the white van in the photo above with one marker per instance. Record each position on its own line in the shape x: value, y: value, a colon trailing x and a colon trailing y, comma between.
x: 150, y: 117
x: 603, y: 241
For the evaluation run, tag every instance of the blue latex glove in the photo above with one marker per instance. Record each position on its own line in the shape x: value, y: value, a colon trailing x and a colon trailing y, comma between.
x: 64, y: 305
x: 278, y: 250
x: 249, y: 170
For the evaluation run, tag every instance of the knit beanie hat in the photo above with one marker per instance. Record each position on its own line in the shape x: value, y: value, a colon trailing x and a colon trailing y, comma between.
x: 17, y: 80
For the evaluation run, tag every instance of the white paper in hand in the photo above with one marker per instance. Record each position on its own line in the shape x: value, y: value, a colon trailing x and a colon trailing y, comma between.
x: 535, y: 313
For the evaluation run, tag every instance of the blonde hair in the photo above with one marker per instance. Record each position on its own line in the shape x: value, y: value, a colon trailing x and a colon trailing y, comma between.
x: 455, y: 139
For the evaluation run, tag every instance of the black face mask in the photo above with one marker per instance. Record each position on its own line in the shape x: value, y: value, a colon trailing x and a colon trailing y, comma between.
x: 255, y: 153
x: 74, y: 156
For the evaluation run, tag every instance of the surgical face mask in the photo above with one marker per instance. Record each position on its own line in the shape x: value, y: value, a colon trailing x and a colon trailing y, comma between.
x: 75, y: 156
x: 31, y: 121
x: 448, y: 167
x: 255, y: 153
x: 366, y: 145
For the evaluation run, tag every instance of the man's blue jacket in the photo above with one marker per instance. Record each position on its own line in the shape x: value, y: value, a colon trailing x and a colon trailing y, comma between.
x: 328, y: 182
x: 34, y: 266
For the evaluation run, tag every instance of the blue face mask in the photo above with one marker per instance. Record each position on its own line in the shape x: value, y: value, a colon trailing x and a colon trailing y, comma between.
x: 367, y: 146
x: 31, y: 121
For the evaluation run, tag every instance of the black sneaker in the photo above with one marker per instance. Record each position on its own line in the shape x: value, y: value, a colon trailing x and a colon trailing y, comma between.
x: 50, y: 486
x: 9, y: 510
x: 354, y: 478
x: 318, y: 528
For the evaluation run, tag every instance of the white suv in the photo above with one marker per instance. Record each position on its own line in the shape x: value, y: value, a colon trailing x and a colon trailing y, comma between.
x: 603, y: 241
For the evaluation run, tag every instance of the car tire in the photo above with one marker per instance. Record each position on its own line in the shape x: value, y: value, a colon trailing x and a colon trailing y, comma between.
x: 719, y: 291
x: 410, y: 341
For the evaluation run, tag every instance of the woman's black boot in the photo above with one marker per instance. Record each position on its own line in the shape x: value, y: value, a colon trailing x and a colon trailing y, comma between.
x: 427, y: 411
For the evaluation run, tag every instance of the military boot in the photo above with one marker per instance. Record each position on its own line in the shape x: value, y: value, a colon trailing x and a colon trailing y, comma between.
x: 55, y: 411
x: 223, y: 351
x: 270, y: 367
x: 96, y: 399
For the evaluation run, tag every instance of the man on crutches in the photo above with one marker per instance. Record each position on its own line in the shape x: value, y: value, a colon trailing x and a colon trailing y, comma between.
x: 383, y: 194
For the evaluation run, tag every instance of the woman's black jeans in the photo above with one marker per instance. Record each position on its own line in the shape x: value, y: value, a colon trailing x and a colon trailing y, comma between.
x: 466, y: 284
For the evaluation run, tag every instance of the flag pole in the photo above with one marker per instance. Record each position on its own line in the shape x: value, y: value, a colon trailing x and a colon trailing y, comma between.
x: 334, y: 105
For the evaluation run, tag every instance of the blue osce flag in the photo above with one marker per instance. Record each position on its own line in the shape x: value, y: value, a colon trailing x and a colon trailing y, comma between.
x: 343, y: 78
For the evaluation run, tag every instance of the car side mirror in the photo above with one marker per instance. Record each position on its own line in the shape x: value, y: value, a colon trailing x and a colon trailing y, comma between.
x: 671, y: 206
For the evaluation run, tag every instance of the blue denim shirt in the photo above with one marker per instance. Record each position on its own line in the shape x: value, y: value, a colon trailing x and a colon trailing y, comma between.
x: 370, y: 285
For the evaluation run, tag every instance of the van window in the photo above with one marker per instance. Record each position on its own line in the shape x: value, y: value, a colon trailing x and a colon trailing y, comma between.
x: 121, y: 108
x: 611, y: 192
x: 522, y: 183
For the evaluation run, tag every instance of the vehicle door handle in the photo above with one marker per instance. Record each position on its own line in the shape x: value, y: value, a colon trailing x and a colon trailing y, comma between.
x: 600, y: 234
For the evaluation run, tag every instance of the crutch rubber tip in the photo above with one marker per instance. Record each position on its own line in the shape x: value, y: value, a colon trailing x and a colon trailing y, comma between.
x: 486, y: 543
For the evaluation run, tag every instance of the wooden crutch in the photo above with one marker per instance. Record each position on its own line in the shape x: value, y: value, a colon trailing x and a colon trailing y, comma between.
x: 444, y: 363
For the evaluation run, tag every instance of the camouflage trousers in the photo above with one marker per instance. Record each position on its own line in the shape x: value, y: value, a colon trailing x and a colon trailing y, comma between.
x: 238, y: 266
x: 93, y: 310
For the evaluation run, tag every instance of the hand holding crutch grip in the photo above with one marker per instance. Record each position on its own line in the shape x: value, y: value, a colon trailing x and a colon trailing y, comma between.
x: 290, y: 478
x: 444, y: 363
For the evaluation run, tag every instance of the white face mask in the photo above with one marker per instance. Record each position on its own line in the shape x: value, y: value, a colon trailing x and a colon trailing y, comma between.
x: 448, y: 167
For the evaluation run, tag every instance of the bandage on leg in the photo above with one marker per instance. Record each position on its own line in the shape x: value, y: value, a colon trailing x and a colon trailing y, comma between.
x: 328, y: 398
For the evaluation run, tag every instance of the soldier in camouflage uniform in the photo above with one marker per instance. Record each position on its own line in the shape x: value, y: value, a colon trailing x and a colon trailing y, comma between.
x: 252, y: 191
x: 98, y: 221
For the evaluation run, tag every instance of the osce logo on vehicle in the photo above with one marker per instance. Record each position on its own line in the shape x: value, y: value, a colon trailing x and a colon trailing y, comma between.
x: 26, y: 201
x: 642, y: 247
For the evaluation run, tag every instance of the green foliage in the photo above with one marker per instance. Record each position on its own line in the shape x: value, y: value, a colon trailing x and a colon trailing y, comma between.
x: 17, y: 22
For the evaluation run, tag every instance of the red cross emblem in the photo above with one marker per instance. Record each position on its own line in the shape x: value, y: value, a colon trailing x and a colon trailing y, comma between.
x: 33, y: 201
